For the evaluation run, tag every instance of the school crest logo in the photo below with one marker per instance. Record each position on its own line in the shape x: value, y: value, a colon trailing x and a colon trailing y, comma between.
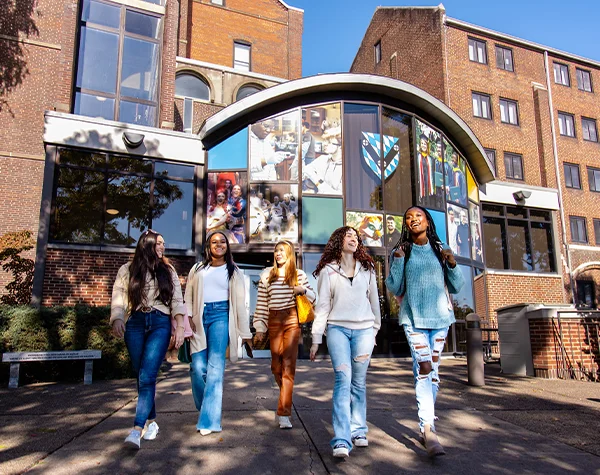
x: 371, y: 146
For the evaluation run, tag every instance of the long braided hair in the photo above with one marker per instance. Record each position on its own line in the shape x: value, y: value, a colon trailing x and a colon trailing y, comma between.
x: 406, y: 243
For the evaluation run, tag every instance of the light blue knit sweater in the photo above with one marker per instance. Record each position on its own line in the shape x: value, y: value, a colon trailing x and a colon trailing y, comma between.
x: 425, y: 304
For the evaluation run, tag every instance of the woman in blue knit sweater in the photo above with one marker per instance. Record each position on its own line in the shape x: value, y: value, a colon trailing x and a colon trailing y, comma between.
x: 422, y: 273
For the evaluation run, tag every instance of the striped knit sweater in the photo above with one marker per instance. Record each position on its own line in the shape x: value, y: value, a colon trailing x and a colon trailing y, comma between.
x: 276, y: 296
x: 426, y: 304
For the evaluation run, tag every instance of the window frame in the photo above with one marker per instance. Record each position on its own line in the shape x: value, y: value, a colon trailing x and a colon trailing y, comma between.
x: 122, y: 34
x: 563, y: 118
x: 558, y: 67
x: 492, y: 151
x: 480, y: 96
x: 248, y: 45
x: 503, y: 50
x: 377, y: 52
x: 579, y: 72
x: 475, y: 42
x: 509, y: 103
x: 596, y: 222
x: 512, y: 156
x: 571, y: 167
x: 584, y: 129
x: 581, y: 220
x: 592, y: 174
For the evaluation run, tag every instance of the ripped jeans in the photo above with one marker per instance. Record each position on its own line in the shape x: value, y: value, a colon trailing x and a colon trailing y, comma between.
x: 350, y: 352
x: 426, y: 346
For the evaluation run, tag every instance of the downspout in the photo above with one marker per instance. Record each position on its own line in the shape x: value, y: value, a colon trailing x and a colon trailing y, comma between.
x: 565, y: 242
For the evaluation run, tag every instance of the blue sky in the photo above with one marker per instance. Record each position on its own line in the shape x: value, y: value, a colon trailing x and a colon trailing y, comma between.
x: 333, y: 29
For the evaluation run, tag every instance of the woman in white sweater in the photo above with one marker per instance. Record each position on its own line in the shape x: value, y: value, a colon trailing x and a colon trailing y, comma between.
x: 348, y: 308
x: 216, y: 307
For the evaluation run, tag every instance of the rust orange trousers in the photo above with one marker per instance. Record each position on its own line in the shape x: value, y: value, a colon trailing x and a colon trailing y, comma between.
x: 284, y: 334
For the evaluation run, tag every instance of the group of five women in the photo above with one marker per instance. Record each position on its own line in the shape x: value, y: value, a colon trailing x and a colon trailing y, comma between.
x: 148, y: 309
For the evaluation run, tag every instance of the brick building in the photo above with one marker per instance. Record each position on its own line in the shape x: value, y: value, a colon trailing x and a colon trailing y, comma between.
x: 97, y: 95
x: 535, y: 111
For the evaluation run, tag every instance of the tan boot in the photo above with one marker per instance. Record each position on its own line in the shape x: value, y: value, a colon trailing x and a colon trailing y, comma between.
x: 431, y: 442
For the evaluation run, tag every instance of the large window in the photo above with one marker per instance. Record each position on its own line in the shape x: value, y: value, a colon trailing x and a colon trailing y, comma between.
x: 513, y: 164
x: 584, y: 80
x: 117, y: 64
x: 107, y: 199
x: 594, y: 178
x: 561, y: 74
x: 572, y: 176
x: 481, y: 106
x: 241, y: 56
x: 518, y: 238
x: 578, y: 229
x: 477, y: 51
x: 588, y: 127
x: 566, y: 124
x: 508, y: 112
x: 504, y: 58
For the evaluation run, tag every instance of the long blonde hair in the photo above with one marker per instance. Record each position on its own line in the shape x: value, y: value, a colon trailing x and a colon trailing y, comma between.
x: 291, y: 276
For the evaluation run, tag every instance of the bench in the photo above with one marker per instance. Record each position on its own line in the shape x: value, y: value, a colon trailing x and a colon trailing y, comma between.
x: 16, y: 358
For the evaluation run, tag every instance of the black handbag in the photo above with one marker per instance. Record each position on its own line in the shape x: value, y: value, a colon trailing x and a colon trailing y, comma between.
x: 185, y: 352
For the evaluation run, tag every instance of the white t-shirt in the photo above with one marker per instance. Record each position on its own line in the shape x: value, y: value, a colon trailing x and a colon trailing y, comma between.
x: 216, y: 284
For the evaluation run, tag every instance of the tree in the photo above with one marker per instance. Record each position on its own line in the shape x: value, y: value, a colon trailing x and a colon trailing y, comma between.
x: 12, y: 244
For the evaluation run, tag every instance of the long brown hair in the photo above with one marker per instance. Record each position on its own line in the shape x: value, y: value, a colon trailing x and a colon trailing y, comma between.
x: 290, y: 269
x: 146, y: 261
x: 334, y: 247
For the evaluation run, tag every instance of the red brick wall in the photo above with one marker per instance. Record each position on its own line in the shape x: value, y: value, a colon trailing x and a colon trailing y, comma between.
x: 169, y: 66
x: 567, y: 351
x: 202, y: 111
x: 274, y: 32
x: 74, y: 276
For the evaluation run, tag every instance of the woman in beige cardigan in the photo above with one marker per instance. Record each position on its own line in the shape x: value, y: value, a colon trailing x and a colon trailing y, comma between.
x: 215, y: 297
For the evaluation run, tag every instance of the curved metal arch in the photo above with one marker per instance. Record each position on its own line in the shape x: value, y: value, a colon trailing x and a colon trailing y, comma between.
x: 332, y: 87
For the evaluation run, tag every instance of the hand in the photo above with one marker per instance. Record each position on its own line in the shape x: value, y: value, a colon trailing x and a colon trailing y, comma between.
x: 399, y: 252
x: 449, y: 257
x: 192, y: 325
x: 313, y: 351
x: 299, y: 290
x: 118, y: 328
x: 260, y: 336
x: 179, y: 336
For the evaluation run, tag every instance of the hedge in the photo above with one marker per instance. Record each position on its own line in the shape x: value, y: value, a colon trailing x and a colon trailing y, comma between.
x: 82, y: 327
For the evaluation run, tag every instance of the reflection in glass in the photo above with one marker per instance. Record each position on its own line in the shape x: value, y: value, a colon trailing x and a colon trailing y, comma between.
x: 101, y: 13
x: 77, y: 213
x: 519, y: 245
x: 230, y: 154
x: 274, y: 148
x: 273, y: 213
x: 139, y: 75
x: 494, y: 235
x: 430, y: 167
x: 321, y: 151
x: 163, y: 170
x: 226, y: 205
x: 315, y: 229
x: 464, y: 302
x: 97, y: 63
x: 79, y: 158
x: 135, y: 113
x: 173, y: 212
x: 539, y: 215
x: 124, y: 164
x: 456, y: 182
x: 398, y: 188
x: 141, y: 24
x: 94, y: 106
x: 127, y: 209
x: 189, y: 85
x: 247, y: 90
x: 360, y: 123
x: 368, y: 225
x: 542, y: 250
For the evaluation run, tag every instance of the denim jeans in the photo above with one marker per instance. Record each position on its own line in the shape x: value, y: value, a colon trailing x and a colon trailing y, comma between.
x: 208, y: 366
x: 426, y: 345
x: 350, y: 352
x: 147, y: 337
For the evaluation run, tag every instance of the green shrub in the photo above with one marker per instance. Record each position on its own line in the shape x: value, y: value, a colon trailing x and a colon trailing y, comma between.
x: 81, y: 327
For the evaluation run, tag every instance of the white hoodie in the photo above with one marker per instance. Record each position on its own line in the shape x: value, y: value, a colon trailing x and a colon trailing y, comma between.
x: 353, y: 305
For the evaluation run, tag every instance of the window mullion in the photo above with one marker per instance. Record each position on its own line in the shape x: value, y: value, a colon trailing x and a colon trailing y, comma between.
x: 120, y: 63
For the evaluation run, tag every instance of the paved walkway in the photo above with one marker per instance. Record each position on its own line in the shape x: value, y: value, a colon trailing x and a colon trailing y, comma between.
x: 512, y: 425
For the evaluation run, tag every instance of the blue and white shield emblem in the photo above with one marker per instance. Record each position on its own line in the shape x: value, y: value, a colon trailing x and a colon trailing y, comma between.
x: 371, y: 147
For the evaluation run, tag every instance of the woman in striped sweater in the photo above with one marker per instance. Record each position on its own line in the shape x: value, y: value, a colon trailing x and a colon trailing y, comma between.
x: 276, y: 312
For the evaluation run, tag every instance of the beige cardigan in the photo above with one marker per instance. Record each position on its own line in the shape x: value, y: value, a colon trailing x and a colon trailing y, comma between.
x: 239, y: 323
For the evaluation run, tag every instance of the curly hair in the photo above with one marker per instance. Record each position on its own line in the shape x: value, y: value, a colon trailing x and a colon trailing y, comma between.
x: 333, y: 251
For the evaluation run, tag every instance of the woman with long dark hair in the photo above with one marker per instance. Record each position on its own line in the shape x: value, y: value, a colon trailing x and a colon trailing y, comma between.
x: 215, y: 297
x: 422, y: 273
x: 348, y: 308
x: 276, y: 312
x: 146, y: 305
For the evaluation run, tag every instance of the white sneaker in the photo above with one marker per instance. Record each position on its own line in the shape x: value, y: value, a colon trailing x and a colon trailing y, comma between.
x: 205, y: 431
x: 341, y: 451
x: 151, y: 431
x: 285, y: 422
x: 361, y: 441
x: 133, y: 439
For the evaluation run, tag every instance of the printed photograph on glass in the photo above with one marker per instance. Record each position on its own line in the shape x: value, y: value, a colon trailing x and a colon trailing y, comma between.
x: 274, y: 148
x: 321, y: 150
x: 368, y: 225
x: 393, y: 229
x: 430, y: 166
x: 476, y: 249
x: 226, y: 204
x: 458, y: 230
x: 273, y: 212
x: 456, y: 180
